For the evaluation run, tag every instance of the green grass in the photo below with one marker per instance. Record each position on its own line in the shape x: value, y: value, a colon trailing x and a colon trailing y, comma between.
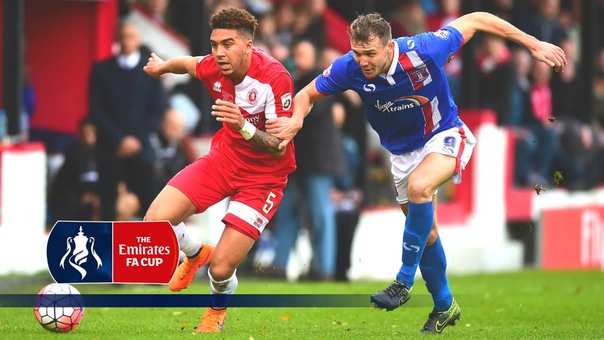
x: 524, y: 305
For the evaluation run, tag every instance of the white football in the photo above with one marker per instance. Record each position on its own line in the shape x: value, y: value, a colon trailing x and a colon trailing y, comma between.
x: 59, y: 307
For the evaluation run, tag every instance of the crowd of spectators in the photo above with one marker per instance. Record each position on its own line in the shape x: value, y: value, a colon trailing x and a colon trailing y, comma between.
x: 553, y: 129
x: 553, y: 133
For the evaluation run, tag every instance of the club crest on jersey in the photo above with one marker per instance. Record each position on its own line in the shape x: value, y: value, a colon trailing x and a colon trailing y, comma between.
x: 420, y: 75
x: 286, y: 101
x: 252, y: 96
x: 449, y: 145
x: 443, y: 34
x: 217, y: 87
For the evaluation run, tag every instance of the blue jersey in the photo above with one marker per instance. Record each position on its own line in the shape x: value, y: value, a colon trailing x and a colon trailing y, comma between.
x: 410, y: 103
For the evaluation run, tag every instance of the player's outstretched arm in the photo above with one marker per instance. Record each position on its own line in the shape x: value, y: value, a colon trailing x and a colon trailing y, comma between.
x: 286, y: 128
x: 545, y: 52
x: 156, y: 66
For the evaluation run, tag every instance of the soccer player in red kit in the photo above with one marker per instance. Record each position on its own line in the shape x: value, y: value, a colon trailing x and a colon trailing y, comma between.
x: 245, y: 163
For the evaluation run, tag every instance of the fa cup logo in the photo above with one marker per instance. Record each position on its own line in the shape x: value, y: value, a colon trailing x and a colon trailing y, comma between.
x: 80, y: 253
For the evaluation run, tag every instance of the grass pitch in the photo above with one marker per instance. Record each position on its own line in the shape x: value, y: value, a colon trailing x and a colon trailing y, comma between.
x: 523, y: 305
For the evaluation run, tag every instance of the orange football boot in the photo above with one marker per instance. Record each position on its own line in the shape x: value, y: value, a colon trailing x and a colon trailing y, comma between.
x: 212, y: 321
x: 186, y: 271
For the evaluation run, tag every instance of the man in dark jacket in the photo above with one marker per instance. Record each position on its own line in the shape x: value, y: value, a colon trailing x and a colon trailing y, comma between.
x: 127, y: 106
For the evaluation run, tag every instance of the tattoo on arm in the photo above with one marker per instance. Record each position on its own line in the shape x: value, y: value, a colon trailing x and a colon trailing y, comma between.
x: 268, y: 143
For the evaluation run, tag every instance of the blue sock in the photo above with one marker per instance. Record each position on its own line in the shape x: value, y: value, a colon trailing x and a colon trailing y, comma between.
x: 418, y: 225
x: 433, y: 266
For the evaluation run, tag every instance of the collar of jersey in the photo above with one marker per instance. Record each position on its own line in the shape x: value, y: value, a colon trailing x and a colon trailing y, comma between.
x: 388, y: 76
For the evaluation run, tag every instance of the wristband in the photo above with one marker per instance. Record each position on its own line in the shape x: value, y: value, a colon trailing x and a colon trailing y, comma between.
x: 248, y: 130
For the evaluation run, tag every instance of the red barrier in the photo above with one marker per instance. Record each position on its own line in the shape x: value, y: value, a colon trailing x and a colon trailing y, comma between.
x: 572, y: 238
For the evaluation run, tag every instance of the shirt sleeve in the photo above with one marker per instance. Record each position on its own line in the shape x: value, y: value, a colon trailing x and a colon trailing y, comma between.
x: 200, y: 68
x: 334, y: 78
x: 440, y: 45
x: 280, y: 104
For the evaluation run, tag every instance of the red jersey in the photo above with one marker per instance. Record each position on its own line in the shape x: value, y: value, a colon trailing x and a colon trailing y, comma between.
x: 266, y: 92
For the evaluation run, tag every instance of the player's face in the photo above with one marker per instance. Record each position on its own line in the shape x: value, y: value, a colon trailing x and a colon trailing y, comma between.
x: 373, y: 56
x: 232, y: 53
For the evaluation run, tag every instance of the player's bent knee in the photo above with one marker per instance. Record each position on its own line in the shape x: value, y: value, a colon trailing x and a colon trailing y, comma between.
x: 166, y: 212
x: 419, y: 191
x: 221, y: 272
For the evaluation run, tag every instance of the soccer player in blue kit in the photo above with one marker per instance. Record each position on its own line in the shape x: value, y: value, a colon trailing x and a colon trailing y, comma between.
x: 407, y: 101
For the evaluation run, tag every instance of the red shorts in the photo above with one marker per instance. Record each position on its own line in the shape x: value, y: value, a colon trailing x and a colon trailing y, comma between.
x: 254, y: 197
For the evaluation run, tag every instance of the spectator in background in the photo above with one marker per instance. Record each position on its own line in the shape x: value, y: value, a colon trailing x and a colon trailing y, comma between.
x: 74, y: 191
x: 580, y: 140
x: 538, y: 149
x: 286, y: 17
x: 308, y: 24
x: 353, y: 126
x: 569, y: 19
x: 542, y: 138
x: 320, y: 159
x: 300, y: 20
x: 74, y: 194
x: 549, y: 156
x: 347, y: 194
x: 541, y: 21
x: 267, y: 29
x: 408, y: 18
x: 496, y: 76
x: 501, y: 8
x: 126, y: 105
x: 273, y: 36
x: 524, y: 140
x: 167, y: 142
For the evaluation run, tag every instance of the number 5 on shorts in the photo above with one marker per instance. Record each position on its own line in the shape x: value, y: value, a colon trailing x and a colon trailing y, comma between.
x: 269, y: 203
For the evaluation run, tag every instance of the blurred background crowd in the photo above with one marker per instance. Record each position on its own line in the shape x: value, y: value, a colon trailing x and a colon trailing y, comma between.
x: 555, y: 128
x: 557, y: 119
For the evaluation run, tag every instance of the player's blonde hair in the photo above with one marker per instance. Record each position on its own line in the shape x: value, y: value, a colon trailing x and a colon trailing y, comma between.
x: 367, y: 27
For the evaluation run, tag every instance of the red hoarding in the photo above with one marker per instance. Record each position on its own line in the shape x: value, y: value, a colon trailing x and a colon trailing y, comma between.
x: 572, y: 238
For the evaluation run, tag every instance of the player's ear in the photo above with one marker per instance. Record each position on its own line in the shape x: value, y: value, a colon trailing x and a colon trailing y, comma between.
x: 390, y: 45
x: 248, y: 46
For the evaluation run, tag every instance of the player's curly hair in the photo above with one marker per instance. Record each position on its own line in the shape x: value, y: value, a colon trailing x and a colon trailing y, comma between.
x: 235, y: 18
x: 368, y: 26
